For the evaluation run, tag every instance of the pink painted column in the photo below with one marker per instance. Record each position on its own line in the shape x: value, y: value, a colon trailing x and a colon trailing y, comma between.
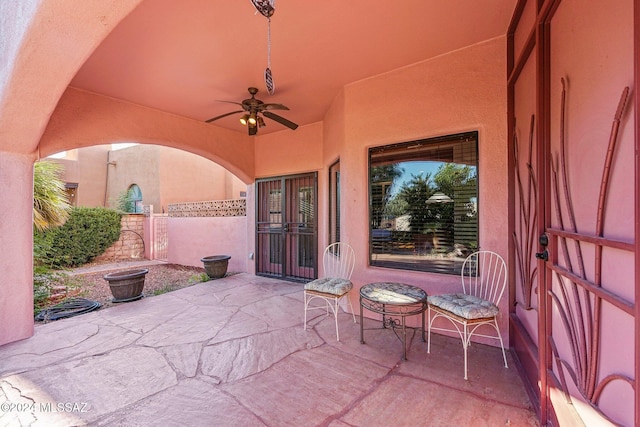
x: 149, y: 235
x: 16, y: 247
x: 37, y: 67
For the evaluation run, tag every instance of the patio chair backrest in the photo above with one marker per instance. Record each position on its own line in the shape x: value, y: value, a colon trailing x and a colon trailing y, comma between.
x: 338, y: 260
x: 484, y: 275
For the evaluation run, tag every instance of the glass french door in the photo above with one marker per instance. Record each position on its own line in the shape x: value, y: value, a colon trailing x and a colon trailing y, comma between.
x: 286, y: 227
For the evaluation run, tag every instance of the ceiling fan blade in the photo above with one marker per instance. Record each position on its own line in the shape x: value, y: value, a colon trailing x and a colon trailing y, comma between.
x: 274, y: 107
x: 280, y: 120
x: 223, y: 115
x: 231, y: 102
x: 253, y: 130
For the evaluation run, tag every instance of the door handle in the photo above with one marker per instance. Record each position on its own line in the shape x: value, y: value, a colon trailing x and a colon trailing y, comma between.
x: 286, y: 228
x: 544, y: 255
x: 544, y: 242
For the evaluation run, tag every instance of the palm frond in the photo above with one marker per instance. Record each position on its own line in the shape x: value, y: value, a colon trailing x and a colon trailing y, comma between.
x: 50, y: 203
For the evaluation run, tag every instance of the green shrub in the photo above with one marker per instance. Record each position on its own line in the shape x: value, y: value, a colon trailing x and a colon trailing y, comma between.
x: 164, y: 289
x: 41, y: 291
x: 87, y: 233
x: 197, y: 278
x: 125, y: 202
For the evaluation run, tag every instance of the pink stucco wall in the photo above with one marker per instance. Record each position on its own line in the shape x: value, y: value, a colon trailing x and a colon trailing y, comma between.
x: 185, y: 177
x: 194, y: 238
x: 16, y: 246
x: 88, y: 169
x: 462, y: 91
x: 289, y: 152
x: 33, y: 41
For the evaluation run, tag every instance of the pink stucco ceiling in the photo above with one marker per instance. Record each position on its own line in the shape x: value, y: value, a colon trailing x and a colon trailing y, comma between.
x: 181, y: 57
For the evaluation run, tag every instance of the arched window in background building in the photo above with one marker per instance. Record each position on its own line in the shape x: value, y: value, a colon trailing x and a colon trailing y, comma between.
x: 134, y: 204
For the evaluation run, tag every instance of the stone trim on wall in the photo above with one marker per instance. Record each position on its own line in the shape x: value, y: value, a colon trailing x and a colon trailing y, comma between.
x: 213, y: 208
x: 130, y: 245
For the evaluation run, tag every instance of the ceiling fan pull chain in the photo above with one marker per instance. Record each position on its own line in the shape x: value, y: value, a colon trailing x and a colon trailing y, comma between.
x: 268, y: 77
x: 267, y: 9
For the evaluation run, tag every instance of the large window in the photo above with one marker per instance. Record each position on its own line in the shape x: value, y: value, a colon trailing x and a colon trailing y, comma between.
x: 423, y: 203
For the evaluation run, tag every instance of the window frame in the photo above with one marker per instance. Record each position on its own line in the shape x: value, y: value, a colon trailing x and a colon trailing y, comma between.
x: 334, y: 202
x: 456, y: 149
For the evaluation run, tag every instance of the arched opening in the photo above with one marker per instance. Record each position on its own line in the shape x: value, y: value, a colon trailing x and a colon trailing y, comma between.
x: 150, y: 181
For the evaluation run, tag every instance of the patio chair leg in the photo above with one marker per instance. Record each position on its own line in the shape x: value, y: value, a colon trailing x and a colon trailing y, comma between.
x: 353, y: 313
x: 465, y: 345
x: 335, y: 316
x: 504, y: 355
x: 306, y: 306
x: 428, y: 329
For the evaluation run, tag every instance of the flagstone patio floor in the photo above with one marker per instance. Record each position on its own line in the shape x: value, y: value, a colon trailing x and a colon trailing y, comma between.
x: 233, y: 352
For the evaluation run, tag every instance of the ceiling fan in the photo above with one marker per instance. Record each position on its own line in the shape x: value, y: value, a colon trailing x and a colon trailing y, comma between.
x: 252, y: 108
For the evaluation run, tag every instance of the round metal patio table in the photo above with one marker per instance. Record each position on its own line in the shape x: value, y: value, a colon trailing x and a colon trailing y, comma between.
x: 395, y: 301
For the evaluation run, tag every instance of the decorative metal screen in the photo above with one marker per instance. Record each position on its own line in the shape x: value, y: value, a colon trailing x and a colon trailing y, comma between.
x: 160, y: 237
x: 286, y: 228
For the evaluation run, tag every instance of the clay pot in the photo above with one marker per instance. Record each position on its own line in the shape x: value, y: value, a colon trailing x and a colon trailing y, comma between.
x: 126, y: 285
x: 216, y: 265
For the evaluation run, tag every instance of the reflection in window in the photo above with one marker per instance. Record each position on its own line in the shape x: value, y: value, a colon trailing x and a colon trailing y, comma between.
x: 424, y: 203
x: 133, y: 200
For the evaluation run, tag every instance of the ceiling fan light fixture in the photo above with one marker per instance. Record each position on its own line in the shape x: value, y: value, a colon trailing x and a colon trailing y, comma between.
x: 252, y: 111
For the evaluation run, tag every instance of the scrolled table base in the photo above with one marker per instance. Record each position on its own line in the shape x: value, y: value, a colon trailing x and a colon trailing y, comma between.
x: 395, y: 301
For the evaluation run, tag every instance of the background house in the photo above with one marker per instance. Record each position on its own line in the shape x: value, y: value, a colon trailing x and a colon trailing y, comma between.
x: 98, y: 175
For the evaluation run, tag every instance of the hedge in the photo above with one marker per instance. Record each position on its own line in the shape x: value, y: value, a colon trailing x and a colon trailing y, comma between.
x: 87, y: 233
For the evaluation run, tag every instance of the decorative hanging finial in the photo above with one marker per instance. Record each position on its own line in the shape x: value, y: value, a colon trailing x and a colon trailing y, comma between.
x: 267, y: 8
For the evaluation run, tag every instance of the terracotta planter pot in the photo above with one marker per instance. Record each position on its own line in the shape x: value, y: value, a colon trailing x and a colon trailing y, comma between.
x: 216, y: 265
x: 126, y: 285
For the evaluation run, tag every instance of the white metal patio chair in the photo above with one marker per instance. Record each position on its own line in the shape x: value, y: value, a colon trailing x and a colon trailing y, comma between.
x: 338, y: 260
x: 484, y: 278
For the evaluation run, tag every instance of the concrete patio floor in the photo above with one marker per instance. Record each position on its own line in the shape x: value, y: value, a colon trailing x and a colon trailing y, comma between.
x: 233, y: 352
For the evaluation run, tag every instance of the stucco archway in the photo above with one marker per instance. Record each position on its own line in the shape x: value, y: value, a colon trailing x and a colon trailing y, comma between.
x: 54, y: 36
x: 82, y: 119
x: 59, y: 37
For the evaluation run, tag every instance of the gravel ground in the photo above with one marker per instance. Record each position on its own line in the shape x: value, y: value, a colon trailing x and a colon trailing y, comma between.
x: 160, y: 279
x: 91, y: 285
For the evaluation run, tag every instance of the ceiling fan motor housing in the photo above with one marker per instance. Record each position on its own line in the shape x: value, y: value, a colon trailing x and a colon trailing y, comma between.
x: 252, y: 107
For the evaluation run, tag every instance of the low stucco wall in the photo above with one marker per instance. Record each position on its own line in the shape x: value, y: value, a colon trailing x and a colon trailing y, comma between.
x: 194, y: 238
